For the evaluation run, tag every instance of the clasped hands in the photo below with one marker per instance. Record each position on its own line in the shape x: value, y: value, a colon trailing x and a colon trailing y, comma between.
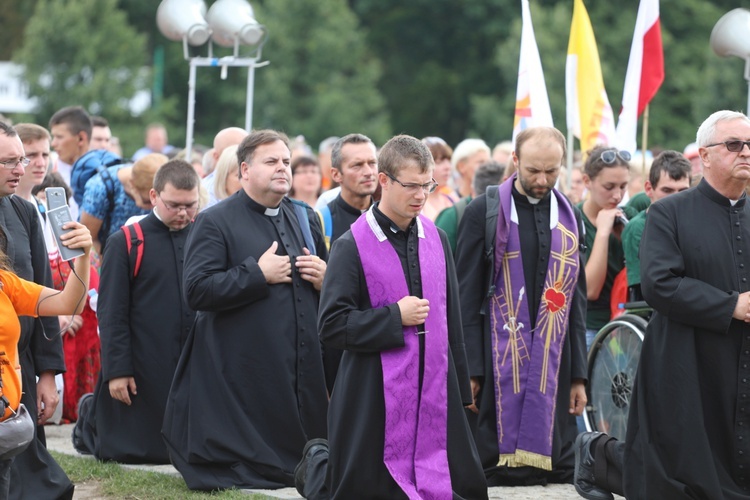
x: 278, y: 268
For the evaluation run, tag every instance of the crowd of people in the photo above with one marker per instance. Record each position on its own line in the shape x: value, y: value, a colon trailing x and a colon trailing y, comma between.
x: 406, y: 320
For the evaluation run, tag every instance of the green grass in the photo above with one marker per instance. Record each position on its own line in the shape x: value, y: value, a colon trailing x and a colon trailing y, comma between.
x: 115, y: 482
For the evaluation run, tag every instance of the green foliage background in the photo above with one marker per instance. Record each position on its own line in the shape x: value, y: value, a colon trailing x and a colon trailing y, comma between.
x: 381, y: 67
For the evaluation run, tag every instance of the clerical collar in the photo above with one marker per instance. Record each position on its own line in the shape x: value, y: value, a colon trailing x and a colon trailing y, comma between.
x: 712, y: 194
x: 387, y: 224
x: 355, y: 211
x: 257, y: 207
x: 531, y: 201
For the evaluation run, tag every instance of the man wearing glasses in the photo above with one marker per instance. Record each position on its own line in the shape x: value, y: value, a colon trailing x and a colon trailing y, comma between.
x: 144, y: 321
x: 396, y: 420
x: 523, y: 306
x: 688, y: 431
x: 34, y: 473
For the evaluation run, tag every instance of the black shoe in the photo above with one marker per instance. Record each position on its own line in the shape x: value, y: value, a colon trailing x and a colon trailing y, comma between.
x: 77, y: 435
x: 583, y: 479
x: 300, y: 472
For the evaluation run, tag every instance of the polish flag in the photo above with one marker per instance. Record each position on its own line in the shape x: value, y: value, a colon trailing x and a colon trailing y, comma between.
x: 645, y: 72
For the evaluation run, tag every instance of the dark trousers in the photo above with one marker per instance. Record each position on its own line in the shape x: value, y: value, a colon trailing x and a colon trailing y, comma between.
x: 609, y: 457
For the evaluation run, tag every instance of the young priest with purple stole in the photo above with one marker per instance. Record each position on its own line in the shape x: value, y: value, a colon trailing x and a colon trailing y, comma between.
x: 523, y: 313
x: 396, y: 419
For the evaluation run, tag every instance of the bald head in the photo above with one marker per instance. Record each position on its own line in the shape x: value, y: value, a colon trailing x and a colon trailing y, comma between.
x: 231, y: 136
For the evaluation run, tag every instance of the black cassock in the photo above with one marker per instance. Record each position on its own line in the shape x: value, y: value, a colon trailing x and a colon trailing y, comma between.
x: 472, y: 268
x: 356, y: 420
x: 34, y: 473
x: 249, y: 389
x: 143, y: 324
x: 343, y: 216
x: 689, y: 424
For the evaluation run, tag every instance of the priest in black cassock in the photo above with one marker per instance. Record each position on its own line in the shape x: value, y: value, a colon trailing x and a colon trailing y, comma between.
x: 249, y: 389
x: 143, y: 322
x: 396, y: 422
x: 354, y: 166
x: 688, y: 430
x: 523, y: 306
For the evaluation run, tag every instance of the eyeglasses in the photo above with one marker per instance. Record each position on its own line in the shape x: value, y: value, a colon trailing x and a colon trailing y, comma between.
x: 733, y: 146
x: 413, y: 187
x: 10, y: 164
x: 175, y: 208
x: 609, y: 156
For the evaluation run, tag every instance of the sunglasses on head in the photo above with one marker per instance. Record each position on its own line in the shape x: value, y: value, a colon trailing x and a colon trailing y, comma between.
x: 610, y: 155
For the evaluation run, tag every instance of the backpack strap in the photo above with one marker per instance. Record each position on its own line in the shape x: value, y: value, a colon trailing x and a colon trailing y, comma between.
x: 327, y: 222
x: 490, y: 232
x: 460, y: 208
x: 109, y: 186
x: 300, y: 209
x: 134, y: 241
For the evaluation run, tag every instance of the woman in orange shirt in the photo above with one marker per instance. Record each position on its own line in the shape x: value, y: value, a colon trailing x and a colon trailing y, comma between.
x: 19, y: 297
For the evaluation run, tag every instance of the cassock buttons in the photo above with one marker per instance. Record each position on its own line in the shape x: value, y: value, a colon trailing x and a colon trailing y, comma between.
x: 282, y: 233
x: 737, y: 224
x: 739, y: 252
x: 739, y: 238
x: 742, y: 265
x: 744, y: 280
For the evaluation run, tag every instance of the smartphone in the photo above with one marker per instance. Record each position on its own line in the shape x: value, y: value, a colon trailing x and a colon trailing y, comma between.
x: 58, y: 214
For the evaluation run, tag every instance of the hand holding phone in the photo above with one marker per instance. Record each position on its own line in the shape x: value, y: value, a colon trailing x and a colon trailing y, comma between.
x: 58, y: 214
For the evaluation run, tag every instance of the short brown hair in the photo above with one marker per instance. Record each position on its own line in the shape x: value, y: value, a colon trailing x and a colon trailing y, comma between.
x: 400, y: 150
x: 179, y: 174
x: 75, y: 117
x: 438, y: 147
x: 336, y: 157
x: 256, y: 139
x: 31, y: 132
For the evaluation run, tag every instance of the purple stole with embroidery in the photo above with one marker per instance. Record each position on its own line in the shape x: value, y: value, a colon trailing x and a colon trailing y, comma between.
x: 526, y: 363
x: 416, y: 425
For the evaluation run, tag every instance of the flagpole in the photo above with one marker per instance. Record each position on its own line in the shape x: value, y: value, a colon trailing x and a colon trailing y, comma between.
x: 644, y: 140
x: 570, y: 159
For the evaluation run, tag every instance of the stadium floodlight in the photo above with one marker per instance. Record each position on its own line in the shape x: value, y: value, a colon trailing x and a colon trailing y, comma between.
x: 183, y: 20
x: 730, y: 38
x: 228, y: 23
x: 233, y: 23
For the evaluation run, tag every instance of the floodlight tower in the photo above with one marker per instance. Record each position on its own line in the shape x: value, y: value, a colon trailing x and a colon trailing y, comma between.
x: 228, y: 23
x: 730, y: 38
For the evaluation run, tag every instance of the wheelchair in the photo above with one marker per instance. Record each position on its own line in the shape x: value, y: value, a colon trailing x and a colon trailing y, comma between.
x: 612, y: 365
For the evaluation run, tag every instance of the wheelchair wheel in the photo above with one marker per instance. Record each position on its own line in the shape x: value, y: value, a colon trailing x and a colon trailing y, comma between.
x: 612, y: 365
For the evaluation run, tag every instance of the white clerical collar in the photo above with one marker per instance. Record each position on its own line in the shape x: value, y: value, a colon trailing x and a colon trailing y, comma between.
x: 533, y: 201
x: 553, y: 211
x: 733, y: 202
x: 271, y: 212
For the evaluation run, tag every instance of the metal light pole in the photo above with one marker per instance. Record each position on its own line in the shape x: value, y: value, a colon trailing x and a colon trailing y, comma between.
x: 229, y: 23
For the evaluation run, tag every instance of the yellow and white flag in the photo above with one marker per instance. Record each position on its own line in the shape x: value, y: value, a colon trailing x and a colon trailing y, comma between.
x: 589, y: 113
x: 532, y: 102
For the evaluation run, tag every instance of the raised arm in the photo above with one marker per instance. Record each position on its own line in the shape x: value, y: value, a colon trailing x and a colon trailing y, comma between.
x: 73, y: 297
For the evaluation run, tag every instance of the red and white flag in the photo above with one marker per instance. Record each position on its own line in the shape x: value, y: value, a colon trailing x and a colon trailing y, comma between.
x: 645, y: 72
